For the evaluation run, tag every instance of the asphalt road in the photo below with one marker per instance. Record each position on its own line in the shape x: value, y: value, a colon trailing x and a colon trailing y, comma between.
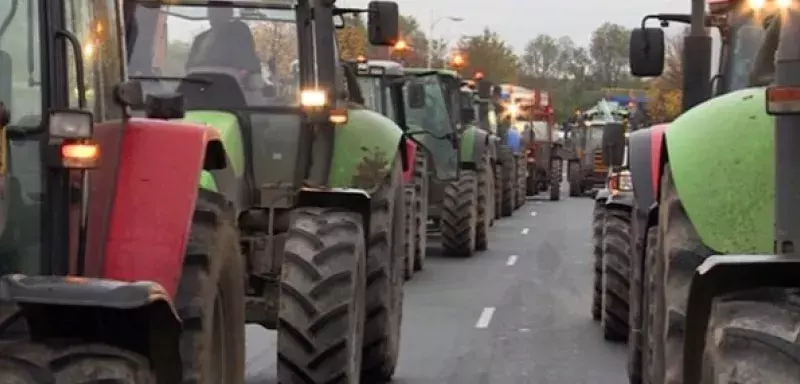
x: 515, y: 314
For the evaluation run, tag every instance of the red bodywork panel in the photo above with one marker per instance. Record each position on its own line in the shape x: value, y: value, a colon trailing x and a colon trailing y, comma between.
x: 656, y: 143
x: 147, y: 199
x: 411, y: 153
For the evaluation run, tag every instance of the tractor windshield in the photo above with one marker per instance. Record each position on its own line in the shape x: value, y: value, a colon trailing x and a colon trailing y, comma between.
x: 433, y: 118
x: 371, y: 90
x: 745, y: 40
x: 258, y: 46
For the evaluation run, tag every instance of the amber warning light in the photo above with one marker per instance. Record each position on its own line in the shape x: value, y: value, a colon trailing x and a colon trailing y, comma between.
x: 80, y: 155
x: 783, y: 100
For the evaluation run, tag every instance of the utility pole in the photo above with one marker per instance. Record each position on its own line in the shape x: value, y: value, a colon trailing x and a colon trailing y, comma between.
x: 434, y: 22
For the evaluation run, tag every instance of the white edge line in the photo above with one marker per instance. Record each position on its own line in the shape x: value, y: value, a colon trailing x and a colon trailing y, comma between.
x: 512, y: 260
x: 486, y: 318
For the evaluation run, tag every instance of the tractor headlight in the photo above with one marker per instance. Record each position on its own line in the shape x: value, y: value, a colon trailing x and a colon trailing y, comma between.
x: 71, y: 124
x: 625, y: 183
x: 313, y: 98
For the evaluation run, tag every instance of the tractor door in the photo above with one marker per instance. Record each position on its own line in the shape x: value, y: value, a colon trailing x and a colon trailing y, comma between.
x: 435, y: 120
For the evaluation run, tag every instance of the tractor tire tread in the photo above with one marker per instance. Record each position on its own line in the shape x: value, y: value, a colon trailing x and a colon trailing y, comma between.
x: 598, y: 216
x: 459, y: 215
x: 616, y: 271
x: 70, y: 361
x: 421, y: 188
x: 323, y: 292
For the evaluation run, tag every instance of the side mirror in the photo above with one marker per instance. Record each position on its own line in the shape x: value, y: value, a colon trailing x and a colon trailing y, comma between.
x: 165, y: 106
x: 416, y: 96
x: 613, y: 144
x: 383, y: 24
x: 646, y: 52
x: 467, y: 115
x: 130, y: 94
x: 5, y: 81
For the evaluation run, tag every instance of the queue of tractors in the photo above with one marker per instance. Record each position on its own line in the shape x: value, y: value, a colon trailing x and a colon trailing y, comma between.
x: 711, y: 268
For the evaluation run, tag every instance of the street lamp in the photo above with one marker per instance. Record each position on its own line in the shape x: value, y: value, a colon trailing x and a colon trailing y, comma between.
x: 434, y: 22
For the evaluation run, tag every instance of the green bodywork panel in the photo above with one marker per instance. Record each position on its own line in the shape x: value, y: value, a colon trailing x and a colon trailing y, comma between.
x: 721, y: 157
x: 228, y: 127
x: 468, y: 145
x: 364, y: 150
x: 207, y: 181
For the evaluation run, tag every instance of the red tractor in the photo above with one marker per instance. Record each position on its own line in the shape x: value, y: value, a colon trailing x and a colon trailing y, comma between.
x: 134, y: 249
x: 543, y: 149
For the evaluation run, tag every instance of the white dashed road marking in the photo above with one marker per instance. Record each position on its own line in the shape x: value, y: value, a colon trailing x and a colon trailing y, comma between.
x: 485, y: 319
x: 524, y: 231
x: 533, y: 213
x: 511, y: 260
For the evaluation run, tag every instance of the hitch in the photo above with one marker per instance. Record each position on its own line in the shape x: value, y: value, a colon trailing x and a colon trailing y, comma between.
x: 721, y: 275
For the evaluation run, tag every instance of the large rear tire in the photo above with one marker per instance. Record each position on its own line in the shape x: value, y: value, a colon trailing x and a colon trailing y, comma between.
x: 507, y: 172
x: 522, y: 180
x: 460, y: 215
x: 497, y: 171
x: 752, y: 338
x: 485, y: 191
x: 598, y: 216
x: 649, y: 324
x: 323, y: 294
x: 573, y: 173
x: 410, y: 225
x: 64, y: 362
x: 384, y: 305
x: 421, y: 190
x: 616, y: 272
x: 555, y: 179
x: 210, y: 297
x: 680, y: 252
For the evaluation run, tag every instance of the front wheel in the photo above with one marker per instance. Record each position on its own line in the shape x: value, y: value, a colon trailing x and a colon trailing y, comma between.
x: 410, y: 227
x: 421, y: 190
x: 460, y: 215
x: 573, y: 175
x: 616, y: 271
x: 210, y: 297
x: 555, y: 179
x: 485, y: 190
x: 522, y: 180
x: 27, y: 362
x: 323, y: 294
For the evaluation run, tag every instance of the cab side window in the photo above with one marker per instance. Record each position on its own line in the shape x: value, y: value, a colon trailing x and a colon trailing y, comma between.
x: 95, y: 23
x: 21, y: 89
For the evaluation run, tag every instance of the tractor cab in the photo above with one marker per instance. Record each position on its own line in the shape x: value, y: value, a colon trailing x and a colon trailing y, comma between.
x: 428, y: 107
x: 379, y: 81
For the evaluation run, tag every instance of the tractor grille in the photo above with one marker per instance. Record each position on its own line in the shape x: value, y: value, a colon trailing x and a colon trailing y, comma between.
x: 597, y: 162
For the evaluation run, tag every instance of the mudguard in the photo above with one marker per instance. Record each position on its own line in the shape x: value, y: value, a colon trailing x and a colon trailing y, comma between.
x: 474, y: 143
x: 721, y: 155
x: 720, y: 275
x: 141, y: 309
x: 644, y: 159
x: 602, y: 195
x: 355, y: 199
x: 364, y: 150
x: 227, y: 125
x: 158, y: 174
x: 620, y: 200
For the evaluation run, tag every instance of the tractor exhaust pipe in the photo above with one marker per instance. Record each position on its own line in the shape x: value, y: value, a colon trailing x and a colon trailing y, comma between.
x: 697, y: 59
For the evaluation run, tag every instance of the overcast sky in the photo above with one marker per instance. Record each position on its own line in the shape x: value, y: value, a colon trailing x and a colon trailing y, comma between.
x: 520, y: 20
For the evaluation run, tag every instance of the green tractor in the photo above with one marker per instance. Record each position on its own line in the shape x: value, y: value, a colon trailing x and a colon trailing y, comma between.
x: 698, y: 318
x: 383, y: 87
x: 458, y: 159
x: 223, y: 195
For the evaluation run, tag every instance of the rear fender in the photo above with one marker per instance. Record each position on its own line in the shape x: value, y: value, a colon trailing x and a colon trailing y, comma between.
x: 364, y: 150
x: 602, y: 195
x: 157, y: 180
x: 474, y: 144
x: 645, y: 149
x: 720, y: 275
x: 621, y: 200
x: 357, y: 200
x: 136, y: 316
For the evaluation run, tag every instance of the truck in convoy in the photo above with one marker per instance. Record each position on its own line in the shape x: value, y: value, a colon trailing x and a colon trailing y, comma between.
x: 539, y: 166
